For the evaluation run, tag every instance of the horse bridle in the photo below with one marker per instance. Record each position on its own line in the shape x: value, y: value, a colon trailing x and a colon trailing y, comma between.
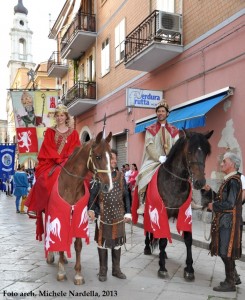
x: 95, y: 170
x: 188, y: 163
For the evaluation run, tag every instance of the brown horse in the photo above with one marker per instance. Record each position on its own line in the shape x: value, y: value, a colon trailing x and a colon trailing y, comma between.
x: 183, y: 169
x: 94, y: 157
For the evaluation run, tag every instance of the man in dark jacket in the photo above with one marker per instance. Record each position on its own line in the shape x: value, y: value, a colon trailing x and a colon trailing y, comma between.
x: 112, y: 210
x: 226, y: 230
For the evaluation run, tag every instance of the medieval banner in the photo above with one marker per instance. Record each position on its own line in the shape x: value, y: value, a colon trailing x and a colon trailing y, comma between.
x: 27, y: 140
x: 7, y: 155
x: 33, y: 113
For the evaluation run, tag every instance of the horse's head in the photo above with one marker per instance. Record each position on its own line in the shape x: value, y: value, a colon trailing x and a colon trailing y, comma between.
x: 197, y: 148
x: 99, y: 161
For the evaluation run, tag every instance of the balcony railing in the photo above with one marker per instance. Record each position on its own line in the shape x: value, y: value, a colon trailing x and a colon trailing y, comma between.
x: 81, y: 90
x: 146, y: 33
x: 55, y: 59
x: 57, y: 67
x: 82, y: 21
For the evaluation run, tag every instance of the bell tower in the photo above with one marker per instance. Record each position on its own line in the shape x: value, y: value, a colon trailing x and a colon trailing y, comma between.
x: 21, y: 42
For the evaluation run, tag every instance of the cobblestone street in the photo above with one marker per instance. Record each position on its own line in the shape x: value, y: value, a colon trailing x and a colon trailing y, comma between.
x: 26, y: 275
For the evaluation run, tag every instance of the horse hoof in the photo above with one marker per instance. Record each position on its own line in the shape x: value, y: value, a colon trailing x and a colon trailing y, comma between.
x: 50, y: 258
x: 189, y: 276
x: 79, y: 280
x: 147, y: 251
x: 61, y: 277
x: 162, y: 274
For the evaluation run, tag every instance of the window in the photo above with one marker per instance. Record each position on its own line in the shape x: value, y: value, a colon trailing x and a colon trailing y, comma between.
x: 119, y: 41
x: 22, y: 49
x: 81, y: 72
x: 90, y: 68
x: 64, y: 87
x: 105, y: 57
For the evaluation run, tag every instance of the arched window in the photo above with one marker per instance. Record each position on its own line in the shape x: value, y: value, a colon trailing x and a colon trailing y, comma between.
x: 85, y: 135
x: 22, y: 49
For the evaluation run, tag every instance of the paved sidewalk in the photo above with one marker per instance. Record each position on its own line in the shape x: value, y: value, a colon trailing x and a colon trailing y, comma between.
x: 200, y: 231
x: 24, y: 273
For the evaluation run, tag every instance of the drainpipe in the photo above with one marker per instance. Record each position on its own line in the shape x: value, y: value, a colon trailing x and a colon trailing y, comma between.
x: 150, y: 7
x: 127, y: 135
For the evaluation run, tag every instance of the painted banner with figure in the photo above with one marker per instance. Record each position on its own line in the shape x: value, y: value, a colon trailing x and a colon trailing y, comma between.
x: 33, y: 113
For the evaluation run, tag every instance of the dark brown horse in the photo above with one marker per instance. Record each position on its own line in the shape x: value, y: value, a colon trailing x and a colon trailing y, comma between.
x: 94, y: 157
x: 183, y: 169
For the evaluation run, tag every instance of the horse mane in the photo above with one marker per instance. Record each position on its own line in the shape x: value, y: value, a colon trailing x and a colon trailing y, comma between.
x: 176, y: 149
x: 199, y: 140
x: 195, y: 140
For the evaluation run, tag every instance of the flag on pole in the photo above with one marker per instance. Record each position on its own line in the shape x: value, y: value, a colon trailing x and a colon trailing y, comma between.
x: 33, y: 112
x: 27, y: 140
x: 7, y: 155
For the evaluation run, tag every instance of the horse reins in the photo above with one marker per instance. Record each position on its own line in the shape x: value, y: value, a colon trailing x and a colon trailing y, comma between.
x: 181, y: 178
x: 188, y: 163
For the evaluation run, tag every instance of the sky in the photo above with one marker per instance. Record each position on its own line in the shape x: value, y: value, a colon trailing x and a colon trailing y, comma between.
x: 39, y: 24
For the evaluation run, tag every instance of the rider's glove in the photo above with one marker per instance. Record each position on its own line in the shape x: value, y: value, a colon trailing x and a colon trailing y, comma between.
x: 162, y: 159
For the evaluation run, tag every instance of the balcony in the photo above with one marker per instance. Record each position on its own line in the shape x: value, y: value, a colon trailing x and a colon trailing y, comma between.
x: 80, y: 98
x: 57, y: 67
x: 155, y: 41
x: 79, y: 36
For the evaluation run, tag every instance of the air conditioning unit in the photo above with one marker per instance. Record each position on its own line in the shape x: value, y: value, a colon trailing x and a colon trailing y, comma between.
x: 168, y: 23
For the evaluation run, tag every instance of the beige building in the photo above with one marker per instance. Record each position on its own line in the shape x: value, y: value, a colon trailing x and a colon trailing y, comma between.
x: 3, y: 131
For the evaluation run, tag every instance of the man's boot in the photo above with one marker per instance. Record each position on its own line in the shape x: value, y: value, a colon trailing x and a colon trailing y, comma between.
x: 237, y: 278
x: 229, y: 284
x: 116, y: 271
x: 103, y: 258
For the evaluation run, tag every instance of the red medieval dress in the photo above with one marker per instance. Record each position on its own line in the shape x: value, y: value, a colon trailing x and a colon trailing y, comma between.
x: 55, y: 150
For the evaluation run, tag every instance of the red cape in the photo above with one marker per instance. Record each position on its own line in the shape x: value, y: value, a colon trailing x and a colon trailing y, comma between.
x: 48, y: 168
x: 155, y: 216
x: 63, y: 221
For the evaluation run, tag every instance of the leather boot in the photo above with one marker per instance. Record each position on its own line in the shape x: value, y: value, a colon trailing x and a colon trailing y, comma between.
x: 237, y: 279
x: 116, y: 271
x: 229, y: 283
x: 103, y: 258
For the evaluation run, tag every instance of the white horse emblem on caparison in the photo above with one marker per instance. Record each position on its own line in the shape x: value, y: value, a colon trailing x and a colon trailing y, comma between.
x: 188, y: 214
x: 154, y: 217
x: 54, y: 228
x: 24, y: 140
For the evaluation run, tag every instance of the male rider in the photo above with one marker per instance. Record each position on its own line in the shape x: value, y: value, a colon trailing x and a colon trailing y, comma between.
x: 159, y: 138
